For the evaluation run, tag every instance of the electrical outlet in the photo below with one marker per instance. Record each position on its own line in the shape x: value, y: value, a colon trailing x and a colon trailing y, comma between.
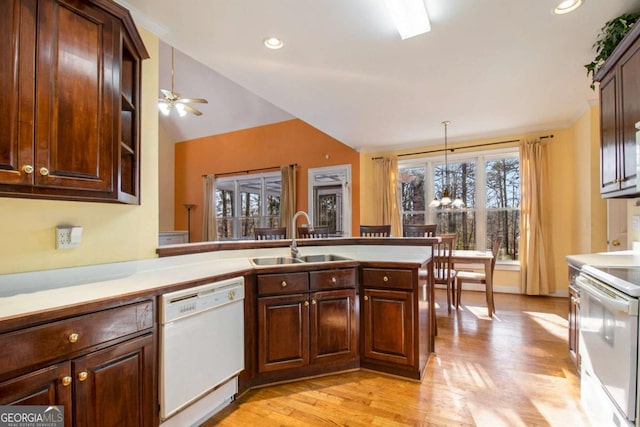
x: 63, y: 238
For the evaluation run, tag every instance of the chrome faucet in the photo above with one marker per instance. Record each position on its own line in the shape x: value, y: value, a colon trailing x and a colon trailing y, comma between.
x: 294, y: 245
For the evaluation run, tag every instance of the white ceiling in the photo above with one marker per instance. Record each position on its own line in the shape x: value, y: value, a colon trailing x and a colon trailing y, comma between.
x: 491, y: 67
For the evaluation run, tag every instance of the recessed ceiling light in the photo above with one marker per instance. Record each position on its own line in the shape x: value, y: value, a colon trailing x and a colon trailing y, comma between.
x: 567, y: 6
x: 273, y: 43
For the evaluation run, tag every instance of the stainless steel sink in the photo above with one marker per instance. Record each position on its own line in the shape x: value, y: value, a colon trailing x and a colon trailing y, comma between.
x: 276, y: 260
x: 283, y: 260
x: 324, y: 258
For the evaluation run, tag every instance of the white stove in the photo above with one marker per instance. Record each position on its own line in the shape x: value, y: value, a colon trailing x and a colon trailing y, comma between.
x: 624, y: 279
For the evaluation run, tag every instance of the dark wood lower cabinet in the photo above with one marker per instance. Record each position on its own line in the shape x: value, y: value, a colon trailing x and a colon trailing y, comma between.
x: 117, y: 389
x: 333, y: 326
x: 283, y: 337
x: 388, y: 326
x: 48, y: 386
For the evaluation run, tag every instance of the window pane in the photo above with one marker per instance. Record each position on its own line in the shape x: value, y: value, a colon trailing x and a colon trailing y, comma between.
x: 503, y: 183
x: 460, y: 179
x: 413, y: 190
x: 462, y: 223
x: 505, y: 223
x: 413, y: 218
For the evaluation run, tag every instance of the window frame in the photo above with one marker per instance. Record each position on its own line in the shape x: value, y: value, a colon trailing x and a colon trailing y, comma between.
x: 236, y: 181
x: 480, y: 158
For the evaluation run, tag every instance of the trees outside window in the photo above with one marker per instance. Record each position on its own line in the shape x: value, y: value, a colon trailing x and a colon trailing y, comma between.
x: 244, y: 203
x: 489, y: 185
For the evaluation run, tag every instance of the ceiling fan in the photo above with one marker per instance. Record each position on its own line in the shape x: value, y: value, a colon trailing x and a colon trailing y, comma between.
x: 174, y: 99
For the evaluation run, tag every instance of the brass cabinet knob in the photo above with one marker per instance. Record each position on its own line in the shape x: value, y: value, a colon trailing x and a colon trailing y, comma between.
x: 27, y: 169
x: 366, y: 297
x: 44, y: 171
x: 385, y: 279
x: 313, y: 302
x: 82, y: 376
x: 334, y: 280
x: 283, y: 284
x: 73, y: 337
x: 306, y: 303
x: 66, y: 381
x: 615, y: 243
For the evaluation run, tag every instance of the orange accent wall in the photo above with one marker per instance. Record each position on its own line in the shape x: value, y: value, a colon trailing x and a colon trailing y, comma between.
x: 292, y: 141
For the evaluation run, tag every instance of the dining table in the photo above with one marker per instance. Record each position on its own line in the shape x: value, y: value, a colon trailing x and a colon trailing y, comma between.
x: 465, y: 256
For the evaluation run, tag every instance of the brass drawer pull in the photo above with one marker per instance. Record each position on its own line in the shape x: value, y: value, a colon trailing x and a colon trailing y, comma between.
x: 44, y: 171
x: 27, y: 169
x: 313, y: 302
x: 82, y: 376
x: 334, y: 280
x: 66, y: 381
x: 385, y: 279
x: 73, y: 337
x: 283, y: 284
x: 366, y: 298
x: 306, y: 303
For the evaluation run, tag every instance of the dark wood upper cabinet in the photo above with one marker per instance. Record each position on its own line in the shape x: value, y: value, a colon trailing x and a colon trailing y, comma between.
x: 70, y: 70
x: 619, y: 79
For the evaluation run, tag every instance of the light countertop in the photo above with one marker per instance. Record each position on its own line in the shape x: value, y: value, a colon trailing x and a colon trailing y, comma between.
x: 31, y: 292
x: 607, y: 259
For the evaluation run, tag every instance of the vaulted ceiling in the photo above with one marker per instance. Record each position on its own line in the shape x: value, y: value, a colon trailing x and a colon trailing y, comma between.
x: 491, y: 67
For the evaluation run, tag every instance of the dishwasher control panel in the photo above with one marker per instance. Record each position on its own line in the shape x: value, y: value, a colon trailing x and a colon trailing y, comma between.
x: 179, y: 304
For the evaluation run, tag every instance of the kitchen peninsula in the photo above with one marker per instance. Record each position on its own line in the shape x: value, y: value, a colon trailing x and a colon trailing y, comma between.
x: 376, y: 280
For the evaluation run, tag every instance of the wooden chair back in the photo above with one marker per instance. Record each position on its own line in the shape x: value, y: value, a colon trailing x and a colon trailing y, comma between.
x: 313, y: 233
x: 443, y: 272
x: 375, y: 230
x: 494, y: 251
x: 427, y: 230
x: 276, y: 233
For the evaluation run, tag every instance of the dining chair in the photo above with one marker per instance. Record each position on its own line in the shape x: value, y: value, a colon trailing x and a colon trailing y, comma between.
x: 475, y: 277
x: 276, y: 233
x: 443, y: 272
x: 313, y: 233
x: 375, y: 230
x: 425, y: 230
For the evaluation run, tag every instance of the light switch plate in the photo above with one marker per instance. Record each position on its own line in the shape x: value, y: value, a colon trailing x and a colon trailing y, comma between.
x: 636, y: 222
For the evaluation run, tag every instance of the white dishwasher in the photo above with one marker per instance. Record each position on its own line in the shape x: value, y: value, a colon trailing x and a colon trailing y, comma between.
x: 201, y: 350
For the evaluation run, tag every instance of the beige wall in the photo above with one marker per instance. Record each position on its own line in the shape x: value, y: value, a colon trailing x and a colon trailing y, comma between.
x: 578, y: 214
x: 112, y: 232
x: 166, y: 181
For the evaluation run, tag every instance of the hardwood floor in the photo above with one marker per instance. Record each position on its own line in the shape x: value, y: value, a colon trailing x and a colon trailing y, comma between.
x: 513, y: 370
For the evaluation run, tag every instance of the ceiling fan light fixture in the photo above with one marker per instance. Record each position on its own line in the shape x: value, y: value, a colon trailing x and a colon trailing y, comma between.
x: 181, y: 110
x: 273, y: 42
x: 567, y: 6
x: 164, y: 108
x: 409, y: 16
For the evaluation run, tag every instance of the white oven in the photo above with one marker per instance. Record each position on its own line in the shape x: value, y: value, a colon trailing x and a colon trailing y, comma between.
x: 608, y: 351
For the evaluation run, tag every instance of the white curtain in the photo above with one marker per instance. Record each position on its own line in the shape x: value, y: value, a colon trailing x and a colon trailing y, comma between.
x: 209, y: 227
x: 536, y: 257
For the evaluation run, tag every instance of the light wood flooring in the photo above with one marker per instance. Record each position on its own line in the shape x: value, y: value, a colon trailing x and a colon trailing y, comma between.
x: 512, y: 370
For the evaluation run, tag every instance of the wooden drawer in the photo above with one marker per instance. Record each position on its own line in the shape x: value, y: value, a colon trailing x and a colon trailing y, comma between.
x: 332, y: 279
x: 387, y: 278
x: 39, y: 344
x: 277, y: 284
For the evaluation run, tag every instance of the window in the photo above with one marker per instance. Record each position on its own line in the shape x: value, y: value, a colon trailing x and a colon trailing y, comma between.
x: 244, y: 203
x: 489, y: 185
x: 329, y: 199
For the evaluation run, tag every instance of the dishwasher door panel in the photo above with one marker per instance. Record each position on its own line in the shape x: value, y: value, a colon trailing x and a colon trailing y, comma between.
x: 199, y: 352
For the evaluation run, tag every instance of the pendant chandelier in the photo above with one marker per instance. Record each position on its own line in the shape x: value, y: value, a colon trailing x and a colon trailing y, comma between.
x: 445, y: 200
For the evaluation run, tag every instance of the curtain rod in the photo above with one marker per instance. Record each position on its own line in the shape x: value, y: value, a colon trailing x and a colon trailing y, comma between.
x: 461, y: 148
x: 248, y: 171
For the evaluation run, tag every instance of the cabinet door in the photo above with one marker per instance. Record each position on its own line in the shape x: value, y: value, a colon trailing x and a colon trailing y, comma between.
x: 75, y: 63
x: 17, y: 50
x: 574, y: 326
x: 49, y: 386
x: 115, y: 387
x: 333, y: 326
x: 609, y: 168
x: 629, y: 90
x: 283, y: 332
x: 387, y: 325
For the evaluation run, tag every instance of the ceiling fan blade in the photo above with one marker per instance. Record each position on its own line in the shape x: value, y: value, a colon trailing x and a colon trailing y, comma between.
x: 192, y: 110
x: 167, y: 93
x: 194, y: 100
